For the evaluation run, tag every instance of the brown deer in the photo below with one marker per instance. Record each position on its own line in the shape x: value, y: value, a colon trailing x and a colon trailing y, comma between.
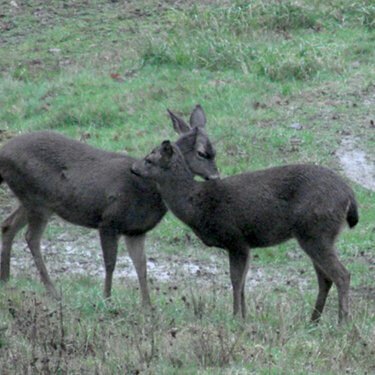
x: 263, y: 208
x: 52, y: 174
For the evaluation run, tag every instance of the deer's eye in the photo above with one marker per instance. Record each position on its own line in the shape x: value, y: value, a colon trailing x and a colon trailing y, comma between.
x: 202, y: 155
x: 148, y: 161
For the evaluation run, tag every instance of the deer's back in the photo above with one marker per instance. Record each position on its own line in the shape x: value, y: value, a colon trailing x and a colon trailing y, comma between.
x: 80, y: 183
x: 270, y: 206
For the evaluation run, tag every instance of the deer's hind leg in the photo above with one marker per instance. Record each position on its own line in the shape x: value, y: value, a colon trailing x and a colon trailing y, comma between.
x: 324, y: 287
x: 9, y: 228
x: 329, y: 269
x: 37, y: 223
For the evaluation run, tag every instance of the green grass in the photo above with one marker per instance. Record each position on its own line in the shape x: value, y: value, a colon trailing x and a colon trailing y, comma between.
x: 185, y: 333
x: 106, y: 72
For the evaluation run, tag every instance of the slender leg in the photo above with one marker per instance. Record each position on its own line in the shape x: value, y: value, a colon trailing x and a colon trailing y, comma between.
x: 136, y: 249
x: 36, y: 227
x: 10, y: 227
x: 239, y: 265
x: 109, y: 242
x: 323, y: 254
x: 324, y: 287
x: 243, y: 301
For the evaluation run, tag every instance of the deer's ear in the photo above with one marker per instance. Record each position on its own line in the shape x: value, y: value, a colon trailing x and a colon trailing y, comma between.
x: 198, y: 117
x: 166, y: 149
x: 179, y: 125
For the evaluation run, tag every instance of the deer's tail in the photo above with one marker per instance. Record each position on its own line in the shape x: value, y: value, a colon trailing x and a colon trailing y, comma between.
x: 352, y: 215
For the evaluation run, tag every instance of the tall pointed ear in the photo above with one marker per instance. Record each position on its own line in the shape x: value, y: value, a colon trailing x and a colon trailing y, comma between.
x: 166, y: 149
x: 179, y: 125
x: 198, y: 117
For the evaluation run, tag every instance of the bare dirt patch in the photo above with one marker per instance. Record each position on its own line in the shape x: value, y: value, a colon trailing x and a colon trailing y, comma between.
x: 357, y: 165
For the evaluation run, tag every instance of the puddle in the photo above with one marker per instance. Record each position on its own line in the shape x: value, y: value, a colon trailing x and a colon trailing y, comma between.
x: 356, y: 164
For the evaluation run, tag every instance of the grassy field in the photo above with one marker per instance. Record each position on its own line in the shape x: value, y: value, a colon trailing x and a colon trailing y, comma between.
x: 280, y: 82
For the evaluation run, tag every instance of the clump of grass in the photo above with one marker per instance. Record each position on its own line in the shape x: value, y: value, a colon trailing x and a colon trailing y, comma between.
x: 243, y: 16
x: 244, y: 36
x: 347, y: 13
x: 366, y: 14
x: 280, y: 63
x: 275, y: 15
x: 197, y: 49
x: 219, y: 37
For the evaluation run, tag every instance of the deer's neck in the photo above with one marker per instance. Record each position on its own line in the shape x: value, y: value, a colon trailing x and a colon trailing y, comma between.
x: 178, y: 193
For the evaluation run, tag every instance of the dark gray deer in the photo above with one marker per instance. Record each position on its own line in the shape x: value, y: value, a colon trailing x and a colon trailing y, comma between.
x: 257, y: 209
x: 53, y: 174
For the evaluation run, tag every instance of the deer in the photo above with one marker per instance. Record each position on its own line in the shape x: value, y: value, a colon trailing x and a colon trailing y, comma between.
x: 90, y: 187
x: 263, y: 208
